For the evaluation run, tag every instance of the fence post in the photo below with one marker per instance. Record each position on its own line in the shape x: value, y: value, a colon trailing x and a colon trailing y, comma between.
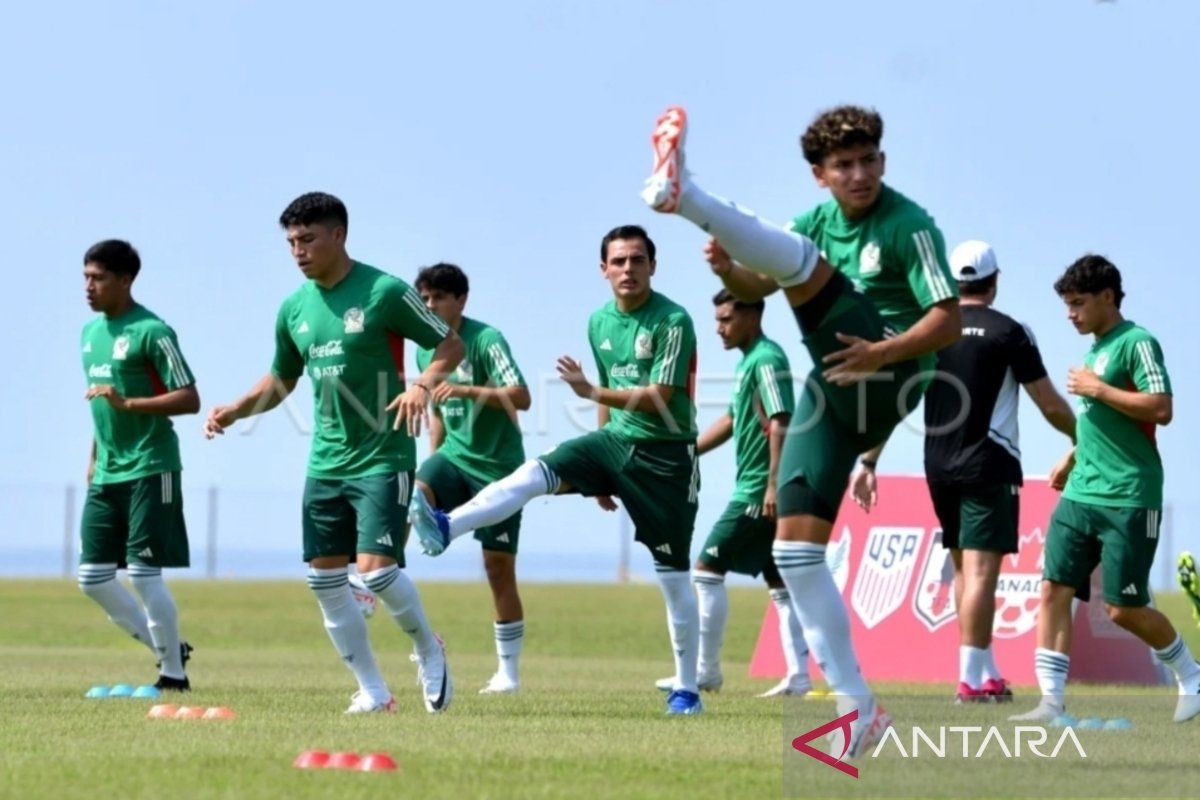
x: 68, y: 548
x: 210, y: 547
x: 623, y: 533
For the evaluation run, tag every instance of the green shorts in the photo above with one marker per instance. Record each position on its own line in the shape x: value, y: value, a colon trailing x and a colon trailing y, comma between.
x: 833, y: 425
x: 658, y: 482
x: 1121, y: 540
x: 741, y: 542
x: 357, y: 515
x: 135, y: 522
x: 977, y: 517
x: 452, y: 486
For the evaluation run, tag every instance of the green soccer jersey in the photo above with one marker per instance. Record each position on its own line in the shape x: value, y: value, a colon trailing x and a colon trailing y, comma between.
x: 895, y: 255
x: 350, y: 340
x: 1116, y: 457
x: 481, y: 440
x: 138, y: 354
x: 654, y: 343
x: 763, y: 390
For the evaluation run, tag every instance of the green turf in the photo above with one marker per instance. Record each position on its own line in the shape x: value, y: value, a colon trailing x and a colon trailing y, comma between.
x: 587, y: 723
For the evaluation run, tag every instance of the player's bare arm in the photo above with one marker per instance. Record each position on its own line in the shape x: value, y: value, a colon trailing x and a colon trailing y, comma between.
x: 173, y: 403
x: 715, y: 435
x: 412, y: 405
x: 508, y: 398
x: 1141, y: 406
x: 647, y: 399
x: 864, y: 486
x: 1062, y: 470
x: 744, y: 284
x: 437, y: 430
x: 1054, y: 407
x: 266, y: 394
x: 941, y: 326
x: 776, y: 433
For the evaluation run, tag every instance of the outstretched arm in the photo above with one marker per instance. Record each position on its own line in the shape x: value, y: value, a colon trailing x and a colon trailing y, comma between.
x: 266, y: 394
x: 715, y: 435
x: 185, y: 400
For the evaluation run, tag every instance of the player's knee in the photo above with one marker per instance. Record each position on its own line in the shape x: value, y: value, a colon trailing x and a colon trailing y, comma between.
x: 1124, y: 616
x: 500, y: 567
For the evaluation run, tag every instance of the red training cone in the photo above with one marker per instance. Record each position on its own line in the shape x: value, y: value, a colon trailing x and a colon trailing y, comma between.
x: 377, y: 762
x: 342, y: 761
x: 311, y: 759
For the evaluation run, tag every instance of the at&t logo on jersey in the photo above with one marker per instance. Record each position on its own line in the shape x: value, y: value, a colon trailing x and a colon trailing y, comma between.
x: 885, y: 573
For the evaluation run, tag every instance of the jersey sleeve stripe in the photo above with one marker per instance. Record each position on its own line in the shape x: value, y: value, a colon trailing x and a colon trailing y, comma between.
x: 671, y: 347
x: 766, y: 379
x: 423, y: 313
x: 939, y: 287
x: 179, y: 375
x: 1154, y: 377
x: 508, y: 375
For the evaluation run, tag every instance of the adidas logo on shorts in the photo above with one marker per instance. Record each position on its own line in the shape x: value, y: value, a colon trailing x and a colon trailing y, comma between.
x: 146, y: 553
x: 663, y: 548
x: 385, y: 540
x: 1130, y: 589
x: 712, y: 551
x: 503, y: 538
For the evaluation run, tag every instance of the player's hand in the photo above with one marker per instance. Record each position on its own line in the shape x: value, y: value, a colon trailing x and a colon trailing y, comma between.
x: 1082, y: 382
x: 447, y: 390
x: 718, y: 259
x: 853, y: 363
x: 412, y: 408
x: 770, y: 501
x: 606, y: 502
x: 571, y: 371
x: 1062, y: 471
x: 91, y: 472
x: 219, y: 418
x: 110, y: 394
x: 864, y: 488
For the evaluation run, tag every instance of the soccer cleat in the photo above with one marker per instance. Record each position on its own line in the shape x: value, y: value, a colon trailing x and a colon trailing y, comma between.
x: 686, y: 704
x: 1189, y: 700
x: 1189, y: 581
x: 500, y: 684
x: 705, y: 683
x: 433, y: 676
x: 1045, y: 711
x: 865, y: 732
x: 431, y: 524
x: 167, y: 684
x: 665, y: 184
x: 665, y: 684
x: 789, y: 687
x: 966, y: 694
x: 998, y: 689
x: 185, y: 655
x: 363, y: 703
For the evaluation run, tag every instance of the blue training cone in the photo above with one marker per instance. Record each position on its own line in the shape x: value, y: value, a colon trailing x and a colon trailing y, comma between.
x: 1118, y: 724
x: 121, y: 690
x: 146, y: 690
x: 1064, y: 721
x: 1090, y: 724
x: 97, y: 692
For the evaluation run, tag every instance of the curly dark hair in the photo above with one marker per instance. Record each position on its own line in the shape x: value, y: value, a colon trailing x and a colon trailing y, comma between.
x: 315, y: 208
x: 838, y: 128
x: 443, y: 277
x: 114, y: 255
x: 1091, y: 274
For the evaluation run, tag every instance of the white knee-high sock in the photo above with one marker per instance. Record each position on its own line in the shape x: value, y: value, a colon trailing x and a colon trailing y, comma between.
x: 755, y: 243
x: 347, y: 629
x: 161, y: 615
x: 791, y: 635
x: 990, y: 671
x: 509, y: 638
x: 822, y: 614
x: 500, y: 500
x: 1051, y: 669
x: 714, y: 611
x: 971, y: 661
x: 683, y: 621
x: 99, y: 582
x: 1178, y: 657
x: 399, y: 594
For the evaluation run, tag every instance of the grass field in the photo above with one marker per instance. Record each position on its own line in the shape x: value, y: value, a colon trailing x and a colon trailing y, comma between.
x: 587, y: 723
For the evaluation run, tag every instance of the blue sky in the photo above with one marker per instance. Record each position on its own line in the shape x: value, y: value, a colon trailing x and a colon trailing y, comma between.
x: 508, y: 137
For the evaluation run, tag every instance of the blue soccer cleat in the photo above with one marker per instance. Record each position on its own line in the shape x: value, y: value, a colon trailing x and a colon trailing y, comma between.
x: 432, y: 525
x: 1189, y: 581
x: 681, y: 703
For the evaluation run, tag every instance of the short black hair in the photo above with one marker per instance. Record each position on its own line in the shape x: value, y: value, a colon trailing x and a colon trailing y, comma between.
x: 725, y: 296
x: 1091, y: 274
x: 977, y: 288
x: 315, y: 208
x: 443, y: 277
x: 627, y: 232
x: 114, y: 255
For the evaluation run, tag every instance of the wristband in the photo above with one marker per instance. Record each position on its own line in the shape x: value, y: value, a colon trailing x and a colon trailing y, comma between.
x: 423, y: 386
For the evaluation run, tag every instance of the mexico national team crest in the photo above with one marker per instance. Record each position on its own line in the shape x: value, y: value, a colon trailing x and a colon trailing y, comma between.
x: 642, y: 346
x: 120, y: 348
x: 869, y: 258
x: 1101, y: 364
x: 1019, y: 587
x: 933, y: 601
x: 888, y: 562
x: 353, y: 320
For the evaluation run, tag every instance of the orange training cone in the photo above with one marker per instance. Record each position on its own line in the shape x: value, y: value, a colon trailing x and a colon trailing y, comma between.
x: 162, y: 711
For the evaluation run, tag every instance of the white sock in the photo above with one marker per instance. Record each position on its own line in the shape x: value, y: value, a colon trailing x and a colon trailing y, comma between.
x: 795, y: 648
x: 498, y: 501
x: 162, y: 617
x: 99, y: 582
x: 1051, y: 669
x: 714, y: 611
x: 1179, y: 658
x: 509, y: 638
x: 753, y: 242
x: 683, y: 621
x: 400, y: 597
x: 990, y: 671
x: 970, y: 665
x: 347, y: 629
x: 822, y: 614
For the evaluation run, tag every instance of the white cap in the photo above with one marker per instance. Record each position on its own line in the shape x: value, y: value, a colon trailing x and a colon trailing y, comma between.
x: 973, y: 260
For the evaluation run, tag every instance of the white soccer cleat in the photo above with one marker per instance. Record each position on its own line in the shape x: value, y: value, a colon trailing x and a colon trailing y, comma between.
x: 363, y: 703
x: 1189, y: 701
x: 865, y: 732
x: 666, y: 684
x: 711, y: 682
x: 500, y: 684
x: 1045, y: 711
x: 433, y: 676
x: 789, y: 687
x: 664, y: 187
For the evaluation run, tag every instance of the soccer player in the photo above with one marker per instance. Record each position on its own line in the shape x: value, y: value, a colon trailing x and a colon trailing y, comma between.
x: 973, y: 456
x: 865, y: 274
x: 757, y: 422
x: 1111, y: 484
x: 474, y: 435
x: 345, y: 327
x: 644, y: 452
x: 133, y: 515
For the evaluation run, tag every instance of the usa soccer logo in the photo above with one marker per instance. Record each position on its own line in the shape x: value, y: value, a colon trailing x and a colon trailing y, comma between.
x: 885, y: 573
x: 933, y: 601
